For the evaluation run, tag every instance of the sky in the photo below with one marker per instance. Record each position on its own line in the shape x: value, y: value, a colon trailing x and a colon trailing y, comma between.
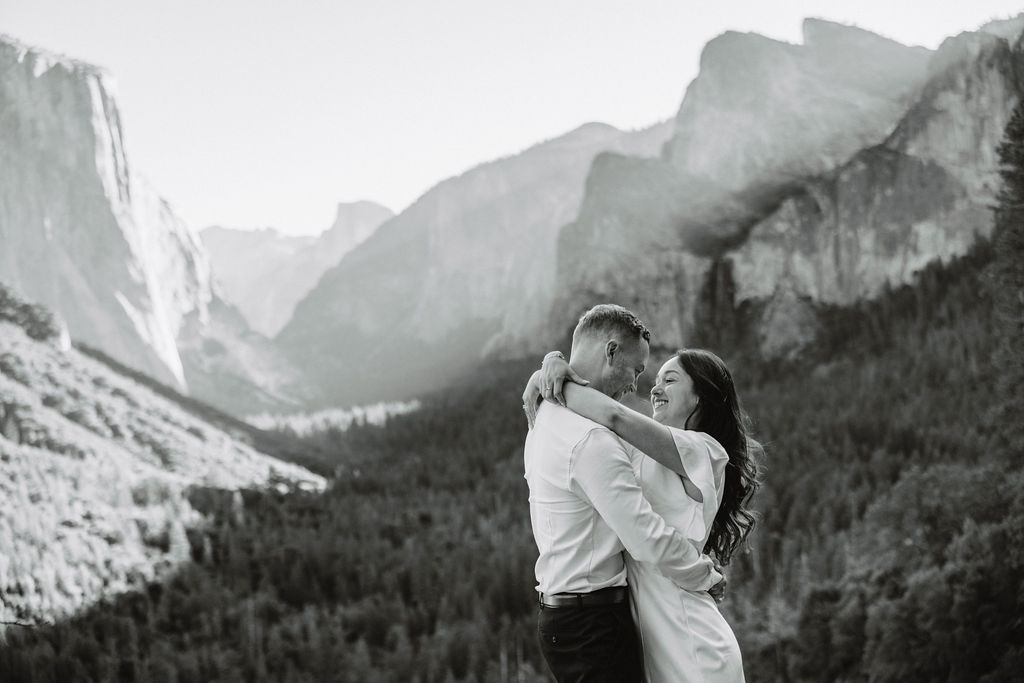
x: 255, y: 113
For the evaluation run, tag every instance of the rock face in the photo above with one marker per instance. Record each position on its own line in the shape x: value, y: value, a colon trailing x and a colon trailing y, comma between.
x: 760, y: 118
x: 761, y: 109
x: 265, y: 273
x: 790, y: 222
x: 237, y: 369
x: 80, y: 231
x: 469, y: 267
x: 925, y: 193
x: 83, y: 234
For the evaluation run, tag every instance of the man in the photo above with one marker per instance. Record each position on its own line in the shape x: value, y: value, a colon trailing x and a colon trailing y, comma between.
x: 586, y: 507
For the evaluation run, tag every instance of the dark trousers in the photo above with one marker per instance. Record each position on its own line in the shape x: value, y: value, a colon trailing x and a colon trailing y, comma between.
x: 595, y: 644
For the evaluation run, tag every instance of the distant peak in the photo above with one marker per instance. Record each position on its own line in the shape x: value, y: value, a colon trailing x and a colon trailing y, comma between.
x: 588, y: 133
x: 824, y: 34
x: 361, y: 205
x: 733, y: 48
x: 1010, y: 28
x: 594, y: 126
x: 357, y: 219
x: 593, y: 130
x: 731, y: 40
x: 46, y: 59
x: 223, y: 229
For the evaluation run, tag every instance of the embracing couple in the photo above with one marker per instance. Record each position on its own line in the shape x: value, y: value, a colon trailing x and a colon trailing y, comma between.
x: 634, y: 516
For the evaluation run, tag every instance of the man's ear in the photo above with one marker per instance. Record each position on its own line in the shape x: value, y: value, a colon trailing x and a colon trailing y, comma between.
x: 610, y: 349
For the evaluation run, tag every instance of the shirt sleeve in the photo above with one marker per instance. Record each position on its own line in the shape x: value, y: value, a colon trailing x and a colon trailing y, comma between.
x: 600, y: 472
x: 704, y: 461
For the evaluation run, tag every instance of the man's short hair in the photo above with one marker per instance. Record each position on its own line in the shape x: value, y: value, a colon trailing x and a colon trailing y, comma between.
x: 611, y: 320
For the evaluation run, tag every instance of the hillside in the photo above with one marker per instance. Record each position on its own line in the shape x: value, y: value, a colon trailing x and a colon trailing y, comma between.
x: 96, y: 472
x: 889, y: 530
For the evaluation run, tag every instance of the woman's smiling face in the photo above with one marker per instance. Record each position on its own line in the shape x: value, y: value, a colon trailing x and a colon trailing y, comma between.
x: 672, y: 397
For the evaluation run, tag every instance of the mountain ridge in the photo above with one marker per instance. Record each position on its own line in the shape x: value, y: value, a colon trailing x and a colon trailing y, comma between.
x: 919, y: 192
x: 265, y: 272
x: 436, y: 276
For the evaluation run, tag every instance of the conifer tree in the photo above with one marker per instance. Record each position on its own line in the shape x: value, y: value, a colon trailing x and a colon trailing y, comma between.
x: 1009, y: 274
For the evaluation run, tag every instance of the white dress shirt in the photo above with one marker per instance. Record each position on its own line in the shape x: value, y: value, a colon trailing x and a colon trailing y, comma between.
x: 586, y: 507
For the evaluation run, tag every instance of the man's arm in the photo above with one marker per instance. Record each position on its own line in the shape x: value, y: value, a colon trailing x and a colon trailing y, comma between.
x: 601, y: 473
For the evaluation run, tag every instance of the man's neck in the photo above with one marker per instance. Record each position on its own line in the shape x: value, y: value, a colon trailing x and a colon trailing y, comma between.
x: 590, y: 375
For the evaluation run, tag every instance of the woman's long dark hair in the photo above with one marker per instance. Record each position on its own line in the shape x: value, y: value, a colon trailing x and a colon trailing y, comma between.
x: 719, y: 414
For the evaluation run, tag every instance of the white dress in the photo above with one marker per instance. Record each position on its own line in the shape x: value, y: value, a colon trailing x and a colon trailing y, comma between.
x: 684, y: 636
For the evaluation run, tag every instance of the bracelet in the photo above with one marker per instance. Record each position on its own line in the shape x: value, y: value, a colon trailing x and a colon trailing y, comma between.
x: 549, y: 354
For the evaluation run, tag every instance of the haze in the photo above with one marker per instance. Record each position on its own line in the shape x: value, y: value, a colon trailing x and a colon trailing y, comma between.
x: 251, y: 113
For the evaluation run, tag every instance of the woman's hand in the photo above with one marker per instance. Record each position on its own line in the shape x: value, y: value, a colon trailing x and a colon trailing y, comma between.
x: 553, y: 373
x: 717, y: 592
x: 548, y: 383
x: 532, y: 398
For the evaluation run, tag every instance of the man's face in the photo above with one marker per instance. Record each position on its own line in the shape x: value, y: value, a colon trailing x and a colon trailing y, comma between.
x: 627, y: 363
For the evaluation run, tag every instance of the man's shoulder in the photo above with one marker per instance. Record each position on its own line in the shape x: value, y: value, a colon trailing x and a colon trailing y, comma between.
x: 554, y: 419
x: 554, y: 416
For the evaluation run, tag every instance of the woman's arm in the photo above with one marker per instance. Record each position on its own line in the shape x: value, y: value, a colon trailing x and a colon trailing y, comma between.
x: 546, y: 383
x: 646, y: 434
x: 650, y: 436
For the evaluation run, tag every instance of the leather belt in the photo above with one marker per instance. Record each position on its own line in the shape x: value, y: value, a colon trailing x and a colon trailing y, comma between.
x: 604, y: 596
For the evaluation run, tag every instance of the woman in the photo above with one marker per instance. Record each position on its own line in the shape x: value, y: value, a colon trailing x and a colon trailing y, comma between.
x: 698, y: 469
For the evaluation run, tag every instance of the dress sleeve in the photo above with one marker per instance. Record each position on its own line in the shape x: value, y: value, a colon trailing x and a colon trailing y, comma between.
x: 704, y: 461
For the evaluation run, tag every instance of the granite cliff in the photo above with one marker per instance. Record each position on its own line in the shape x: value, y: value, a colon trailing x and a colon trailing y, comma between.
x: 80, y: 231
x: 756, y: 249
x: 83, y: 233
x: 925, y: 193
x: 761, y: 109
x: 795, y: 177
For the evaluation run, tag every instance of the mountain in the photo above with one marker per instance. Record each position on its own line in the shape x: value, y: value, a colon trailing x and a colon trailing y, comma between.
x: 84, y: 234
x: 923, y: 194
x: 264, y: 273
x: 99, y: 471
x: 469, y: 266
x: 80, y: 230
x: 458, y: 278
x: 761, y: 109
x: 707, y: 261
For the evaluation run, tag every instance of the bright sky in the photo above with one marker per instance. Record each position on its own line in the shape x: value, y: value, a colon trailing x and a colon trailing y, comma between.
x: 251, y: 113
